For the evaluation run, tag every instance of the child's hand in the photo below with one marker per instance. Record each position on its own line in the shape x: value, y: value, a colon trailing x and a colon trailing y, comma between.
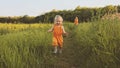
x: 65, y: 34
x: 49, y: 31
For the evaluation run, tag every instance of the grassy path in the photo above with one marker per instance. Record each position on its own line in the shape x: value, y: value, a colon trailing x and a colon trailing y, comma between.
x: 67, y: 57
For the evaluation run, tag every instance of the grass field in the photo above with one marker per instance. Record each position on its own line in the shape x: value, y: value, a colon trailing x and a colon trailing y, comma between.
x: 88, y: 45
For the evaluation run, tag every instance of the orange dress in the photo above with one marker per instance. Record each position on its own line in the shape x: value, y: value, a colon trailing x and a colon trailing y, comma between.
x: 57, y: 36
x: 76, y: 21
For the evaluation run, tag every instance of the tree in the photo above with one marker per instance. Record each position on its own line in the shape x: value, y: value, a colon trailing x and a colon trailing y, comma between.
x: 110, y: 9
x: 77, y: 8
x: 118, y: 8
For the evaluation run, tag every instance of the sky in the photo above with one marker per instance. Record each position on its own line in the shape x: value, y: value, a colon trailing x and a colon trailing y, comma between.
x: 38, y: 7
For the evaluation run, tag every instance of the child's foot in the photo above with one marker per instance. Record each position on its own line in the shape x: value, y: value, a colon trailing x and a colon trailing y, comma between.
x: 55, y: 50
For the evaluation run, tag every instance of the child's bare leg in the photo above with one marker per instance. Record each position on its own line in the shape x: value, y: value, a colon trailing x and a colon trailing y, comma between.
x: 55, y: 49
x: 60, y: 49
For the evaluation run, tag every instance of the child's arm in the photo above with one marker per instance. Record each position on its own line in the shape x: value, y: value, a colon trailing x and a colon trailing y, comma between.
x: 63, y: 30
x: 50, y: 30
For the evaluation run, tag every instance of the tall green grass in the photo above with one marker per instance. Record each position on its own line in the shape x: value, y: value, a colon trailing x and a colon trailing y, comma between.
x: 96, y: 44
x: 26, y: 49
x: 92, y: 45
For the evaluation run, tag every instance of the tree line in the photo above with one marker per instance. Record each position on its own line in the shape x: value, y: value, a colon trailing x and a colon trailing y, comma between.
x: 84, y: 14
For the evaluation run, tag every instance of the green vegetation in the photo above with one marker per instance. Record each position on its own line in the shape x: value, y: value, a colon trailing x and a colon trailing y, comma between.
x: 84, y: 14
x: 88, y: 45
x: 25, y: 49
x: 97, y: 44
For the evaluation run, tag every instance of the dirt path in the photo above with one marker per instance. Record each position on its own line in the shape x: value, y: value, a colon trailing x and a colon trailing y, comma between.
x: 65, y: 59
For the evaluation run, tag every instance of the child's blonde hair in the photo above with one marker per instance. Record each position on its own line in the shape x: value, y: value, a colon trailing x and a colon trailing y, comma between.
x: 58, y: 16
